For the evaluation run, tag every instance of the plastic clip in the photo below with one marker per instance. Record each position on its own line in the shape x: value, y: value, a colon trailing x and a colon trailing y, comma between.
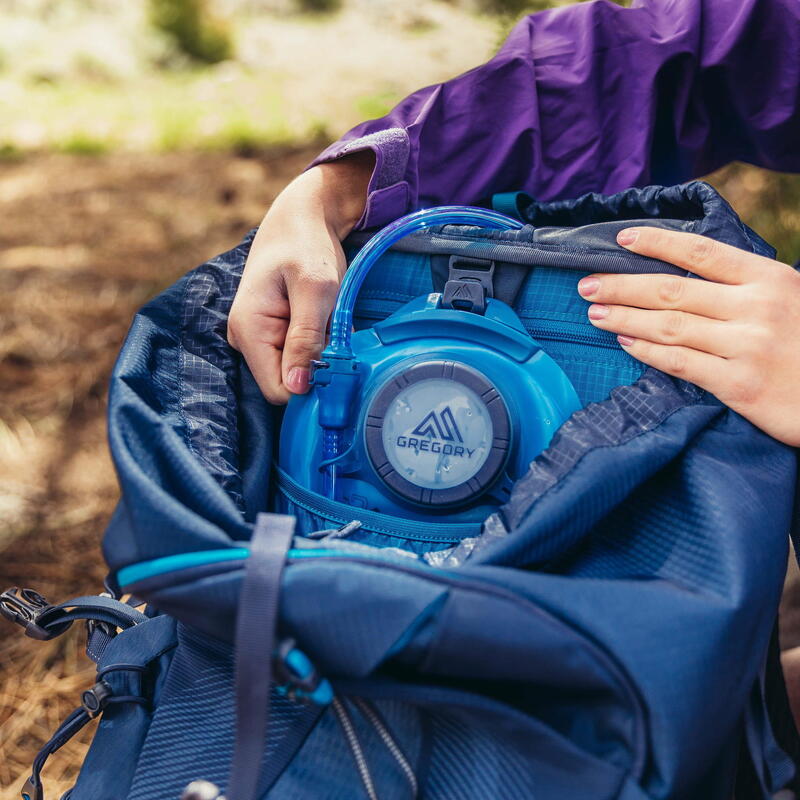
x: 95, y: 625
x: 24, y: 607
x: 32, y: 791
x: 469, y: 284
x: 201, y: 790
x: 297, y: 677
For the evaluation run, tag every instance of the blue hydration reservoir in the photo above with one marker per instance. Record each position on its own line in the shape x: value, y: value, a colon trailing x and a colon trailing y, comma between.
x: 433, y: 412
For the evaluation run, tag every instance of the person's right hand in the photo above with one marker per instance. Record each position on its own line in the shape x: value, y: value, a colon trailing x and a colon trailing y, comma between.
x: 279, y: 316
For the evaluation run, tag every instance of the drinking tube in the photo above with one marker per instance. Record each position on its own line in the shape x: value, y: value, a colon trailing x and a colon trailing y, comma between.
x: 336, y: 376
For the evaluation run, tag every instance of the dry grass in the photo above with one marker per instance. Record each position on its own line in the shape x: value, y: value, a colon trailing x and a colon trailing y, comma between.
x: 85, y: 241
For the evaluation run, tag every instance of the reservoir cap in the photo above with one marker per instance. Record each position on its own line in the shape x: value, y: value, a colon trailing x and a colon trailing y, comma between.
x: 437, y: 433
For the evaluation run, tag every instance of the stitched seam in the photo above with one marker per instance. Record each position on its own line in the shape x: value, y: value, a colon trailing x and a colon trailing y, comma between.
x: 182, y: 369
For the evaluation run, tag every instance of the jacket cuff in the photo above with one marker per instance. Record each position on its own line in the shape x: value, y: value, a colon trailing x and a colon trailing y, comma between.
x: 388, y: 194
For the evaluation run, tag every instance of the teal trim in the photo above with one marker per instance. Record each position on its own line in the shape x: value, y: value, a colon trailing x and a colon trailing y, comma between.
x: 314, y: 553
x: 127, y: 576
x: 511, y: 203
x: 158, y: 566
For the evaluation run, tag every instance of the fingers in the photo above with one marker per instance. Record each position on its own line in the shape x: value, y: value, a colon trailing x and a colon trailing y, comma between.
x: 698, y: 254
x: 664, y: 292
x: 259, y: 338
x: 703, y: 369
x: 311, y: 300
x: 666, y: 327
x: 265, y: 364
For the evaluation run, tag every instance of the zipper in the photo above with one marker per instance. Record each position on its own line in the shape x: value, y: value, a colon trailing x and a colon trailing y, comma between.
x: 538, y: 329
x: 370, y: 713
x: 554, y: 331
x: 351, y: 737
x: 374, y: 521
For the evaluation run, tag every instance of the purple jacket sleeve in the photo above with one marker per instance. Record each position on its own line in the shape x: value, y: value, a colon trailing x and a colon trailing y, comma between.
x: 595, y: 97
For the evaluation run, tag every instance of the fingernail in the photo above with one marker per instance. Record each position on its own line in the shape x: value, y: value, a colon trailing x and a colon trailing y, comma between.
x: 588, y: 286
x: 598, y: 312
x: 625, y: 341
x: 628, y: 236
x: 297, y: 380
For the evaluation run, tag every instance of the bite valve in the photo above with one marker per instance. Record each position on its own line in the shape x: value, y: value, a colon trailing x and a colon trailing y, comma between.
x: 337, y: 381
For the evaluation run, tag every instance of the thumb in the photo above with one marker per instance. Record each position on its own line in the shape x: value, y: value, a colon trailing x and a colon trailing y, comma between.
x: 310, y: 301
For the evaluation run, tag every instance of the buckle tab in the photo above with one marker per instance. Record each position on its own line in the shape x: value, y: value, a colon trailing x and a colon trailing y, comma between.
x: 25, y: 607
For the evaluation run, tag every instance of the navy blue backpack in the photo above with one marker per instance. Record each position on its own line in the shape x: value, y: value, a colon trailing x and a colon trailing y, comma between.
x: 603, y: 634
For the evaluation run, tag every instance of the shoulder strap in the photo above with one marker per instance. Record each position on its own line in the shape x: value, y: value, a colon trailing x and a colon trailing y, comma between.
x: 256, y: 625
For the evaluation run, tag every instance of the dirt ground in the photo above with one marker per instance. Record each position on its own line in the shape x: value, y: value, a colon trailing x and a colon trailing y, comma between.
x: 83, y: 243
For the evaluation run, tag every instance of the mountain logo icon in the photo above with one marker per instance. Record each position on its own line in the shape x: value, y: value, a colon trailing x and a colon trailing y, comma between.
x: 439, y: 426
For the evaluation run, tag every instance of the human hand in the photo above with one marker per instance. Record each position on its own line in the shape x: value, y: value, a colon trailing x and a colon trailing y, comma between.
x: 279, y: 316
x: 736, y: 334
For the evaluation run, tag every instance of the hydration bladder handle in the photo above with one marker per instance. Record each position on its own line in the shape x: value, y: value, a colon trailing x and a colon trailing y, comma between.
x: 336, y: 376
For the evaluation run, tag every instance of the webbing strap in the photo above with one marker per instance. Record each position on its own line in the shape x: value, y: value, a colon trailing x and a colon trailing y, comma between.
x: 256, y: 624
x: 41, y: 620
x: 98, y: 608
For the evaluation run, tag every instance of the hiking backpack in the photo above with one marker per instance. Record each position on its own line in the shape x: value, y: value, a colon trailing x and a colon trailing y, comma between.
x: 602, y: 634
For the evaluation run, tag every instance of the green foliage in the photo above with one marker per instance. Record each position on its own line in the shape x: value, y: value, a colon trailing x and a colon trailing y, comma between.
x: 9, y: 152
x: 196, y: 33
x: 319, y: 6
x: 373, y: 106
x: 509, y: 12
x: 775, y: 214
x: 514, y: 8
x: 82, y: 144
x: 769, y: 202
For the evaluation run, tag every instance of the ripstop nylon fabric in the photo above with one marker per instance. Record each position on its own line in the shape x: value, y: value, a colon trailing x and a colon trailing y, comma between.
x: 605, y: 641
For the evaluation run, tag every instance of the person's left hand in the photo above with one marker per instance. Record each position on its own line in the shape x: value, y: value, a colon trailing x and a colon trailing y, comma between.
x: 736, y: 334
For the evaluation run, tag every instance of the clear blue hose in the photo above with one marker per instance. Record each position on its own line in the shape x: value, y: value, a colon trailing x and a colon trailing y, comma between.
x: 340, y: 348
x: 342, y: 319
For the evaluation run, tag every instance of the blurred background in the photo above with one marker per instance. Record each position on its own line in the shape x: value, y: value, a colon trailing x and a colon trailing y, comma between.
x: 137, y: 139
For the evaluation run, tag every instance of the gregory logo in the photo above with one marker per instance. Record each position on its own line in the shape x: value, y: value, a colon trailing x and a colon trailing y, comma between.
x: 437, y: 433
x: 439, y: 426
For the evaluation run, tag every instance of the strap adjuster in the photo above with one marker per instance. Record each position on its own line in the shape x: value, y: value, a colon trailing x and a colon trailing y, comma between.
x: 94, y: 700
x: 94, y: 625
x: 24, y: 607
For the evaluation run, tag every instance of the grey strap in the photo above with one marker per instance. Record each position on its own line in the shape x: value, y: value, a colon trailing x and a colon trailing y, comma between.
x: 256, y: 624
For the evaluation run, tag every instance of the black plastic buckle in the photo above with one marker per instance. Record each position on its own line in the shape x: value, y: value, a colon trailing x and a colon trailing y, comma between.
x: 24, y: 607
x: 470, y: 282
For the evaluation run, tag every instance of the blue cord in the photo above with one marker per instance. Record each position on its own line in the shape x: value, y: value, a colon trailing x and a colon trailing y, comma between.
x: 338, y: 381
